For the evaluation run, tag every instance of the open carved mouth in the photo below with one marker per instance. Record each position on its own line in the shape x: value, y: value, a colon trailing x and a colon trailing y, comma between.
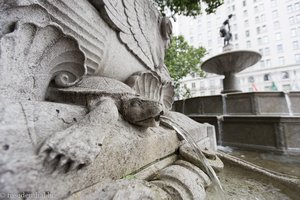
x: 157, y: 118
x: 150, y: 121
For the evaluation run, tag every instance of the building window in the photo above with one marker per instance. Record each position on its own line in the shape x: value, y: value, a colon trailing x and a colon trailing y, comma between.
x: 285, y: 75
x: 295, y: 45
x: 298, y: 18
x: 278, y: 36
x: 273, y: 3
x: 297, y: 58
x: 297, y: 6
x: 267, y: 51
x: 291, y: 20
x: 293, y: 32
x: 267, y: 77
x: 274, y: 14
x: 193, y: 85
x: 289, y: 8
x: 251, y: 79
x: 244, y: 3
x: 279, y: 48
x: 258, y: 30
x: 265, y: 40
x: 259, y: 41
x: 276, y: 25
x: 262, y: 17
x: 247, y: 33
x: 268, y: 63
x: 233, y: 18
x: 234, y: 27
x: 236, y: 36
x: 233, y: 7
x: 248, y: 44
x: 245, y: 13
x: 281, y: 61
x: 246, y: 23
x: 256, y: 19
x: 262, y: 63
x: 261, y: 51
x: 264, y: 28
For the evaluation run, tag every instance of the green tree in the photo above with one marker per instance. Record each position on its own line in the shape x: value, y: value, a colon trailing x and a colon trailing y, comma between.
x: 182, y: 59
x: 187, y: 7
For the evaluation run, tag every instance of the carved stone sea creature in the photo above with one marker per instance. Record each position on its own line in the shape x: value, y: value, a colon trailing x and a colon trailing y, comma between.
x: 105, y: 98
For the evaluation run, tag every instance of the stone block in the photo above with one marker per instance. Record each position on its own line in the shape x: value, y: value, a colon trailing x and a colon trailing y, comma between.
x: 295, y: 99
x: 279, y: 134
x: 200, y: 105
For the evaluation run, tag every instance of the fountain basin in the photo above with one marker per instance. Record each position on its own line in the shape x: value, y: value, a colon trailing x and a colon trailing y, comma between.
x: 250, y: 103
x: 268, y: 121
x: 228, y: 64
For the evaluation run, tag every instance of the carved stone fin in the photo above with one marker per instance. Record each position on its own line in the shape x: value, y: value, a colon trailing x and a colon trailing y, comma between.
x: 31, y: 56
x: 149, y: 85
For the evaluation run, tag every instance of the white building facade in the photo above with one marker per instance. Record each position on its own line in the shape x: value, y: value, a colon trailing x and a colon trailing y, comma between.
x: 271, y: 27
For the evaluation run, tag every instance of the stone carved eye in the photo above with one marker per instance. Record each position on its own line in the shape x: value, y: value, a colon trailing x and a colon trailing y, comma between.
x: 135, y: 103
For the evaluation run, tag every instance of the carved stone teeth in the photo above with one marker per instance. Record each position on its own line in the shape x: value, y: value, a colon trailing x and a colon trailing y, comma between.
x: 62, y: 161
x: 51, y: 156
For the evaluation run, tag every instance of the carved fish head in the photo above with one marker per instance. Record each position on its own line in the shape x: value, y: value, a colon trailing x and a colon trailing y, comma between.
x: 141, y: 112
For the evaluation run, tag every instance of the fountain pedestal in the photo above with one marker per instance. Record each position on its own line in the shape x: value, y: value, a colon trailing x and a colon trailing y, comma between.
x: 230, y: 83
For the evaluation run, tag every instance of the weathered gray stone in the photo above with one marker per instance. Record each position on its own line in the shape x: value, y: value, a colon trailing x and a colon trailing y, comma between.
x: 125, y: 149
x: 82, y: 84
x: 123, y: 189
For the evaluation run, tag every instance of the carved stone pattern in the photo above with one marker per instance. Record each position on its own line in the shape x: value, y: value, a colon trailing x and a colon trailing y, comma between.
x: 32, y: 55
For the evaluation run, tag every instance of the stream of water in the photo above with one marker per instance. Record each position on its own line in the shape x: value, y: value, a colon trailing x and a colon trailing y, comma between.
x: 288, y: 102
x: 209, y: 170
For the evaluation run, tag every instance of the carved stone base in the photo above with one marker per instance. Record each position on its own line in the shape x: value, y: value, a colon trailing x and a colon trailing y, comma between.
x: 127, y: 149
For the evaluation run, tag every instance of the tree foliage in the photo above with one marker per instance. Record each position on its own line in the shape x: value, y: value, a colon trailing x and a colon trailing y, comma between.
x: 183, y: 59
x: 187, y: 7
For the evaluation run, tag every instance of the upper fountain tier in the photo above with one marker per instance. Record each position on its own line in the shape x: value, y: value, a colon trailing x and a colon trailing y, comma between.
x: 228, y: 64
x: 231, y: 61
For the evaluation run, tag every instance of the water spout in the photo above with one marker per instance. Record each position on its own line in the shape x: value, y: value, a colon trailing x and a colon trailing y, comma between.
x: 189, y: 139
x: 288, y: 103
x: 220, y: 129
x: 224, y: 107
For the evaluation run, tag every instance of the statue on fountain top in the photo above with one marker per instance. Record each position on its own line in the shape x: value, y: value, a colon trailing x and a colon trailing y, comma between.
x: 225, y: 32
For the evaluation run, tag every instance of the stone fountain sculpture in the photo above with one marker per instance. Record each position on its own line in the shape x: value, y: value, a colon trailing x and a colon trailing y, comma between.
x: 267, y: 121
x: 230, y: 62
x: 83, y: 85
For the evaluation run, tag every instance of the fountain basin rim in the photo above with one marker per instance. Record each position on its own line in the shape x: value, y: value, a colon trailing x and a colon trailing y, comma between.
x: 249, y: 57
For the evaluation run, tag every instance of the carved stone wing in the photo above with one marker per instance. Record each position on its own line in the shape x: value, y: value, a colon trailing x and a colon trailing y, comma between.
x: 133, y: 20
